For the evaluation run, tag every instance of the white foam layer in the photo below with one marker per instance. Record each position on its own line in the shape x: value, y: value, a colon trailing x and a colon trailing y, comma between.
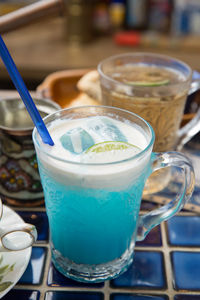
x: 114, y: 174
x: 59, y: 128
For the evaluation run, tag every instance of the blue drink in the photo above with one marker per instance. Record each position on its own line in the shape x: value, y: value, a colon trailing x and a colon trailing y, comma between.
x: 95, y: 225
x: 93, y: 179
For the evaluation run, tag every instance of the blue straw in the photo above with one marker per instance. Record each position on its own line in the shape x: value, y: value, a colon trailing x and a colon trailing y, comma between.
x: 24, y: 93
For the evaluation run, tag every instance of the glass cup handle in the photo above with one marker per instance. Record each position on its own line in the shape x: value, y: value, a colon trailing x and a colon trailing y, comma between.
x: 162, y: 160
x: 187, y: 132
x: 18, y: 236
x: 195, y: 84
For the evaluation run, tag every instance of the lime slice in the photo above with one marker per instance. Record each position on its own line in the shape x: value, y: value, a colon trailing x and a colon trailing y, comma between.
x: 144, y: 83
x: 110, y: 146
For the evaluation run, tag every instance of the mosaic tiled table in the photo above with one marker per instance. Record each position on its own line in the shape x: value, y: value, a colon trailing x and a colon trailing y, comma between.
x: 166, y: 264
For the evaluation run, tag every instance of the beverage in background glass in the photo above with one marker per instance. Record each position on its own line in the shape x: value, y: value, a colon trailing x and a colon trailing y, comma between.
x: 154, y: 87
x: 93, y: 179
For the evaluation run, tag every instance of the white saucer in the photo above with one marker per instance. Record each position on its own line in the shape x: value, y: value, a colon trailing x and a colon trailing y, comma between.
x: 12, y: 264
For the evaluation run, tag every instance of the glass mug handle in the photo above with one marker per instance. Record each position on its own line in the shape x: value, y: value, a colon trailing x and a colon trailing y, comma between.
x: 195, y: 84
x: 17, y: 236
x: 187, y: 132
x: 162, y: 160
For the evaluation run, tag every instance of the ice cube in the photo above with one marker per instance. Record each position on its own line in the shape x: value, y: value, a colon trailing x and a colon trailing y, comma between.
x: 76, y: 140
x: 106, y: 129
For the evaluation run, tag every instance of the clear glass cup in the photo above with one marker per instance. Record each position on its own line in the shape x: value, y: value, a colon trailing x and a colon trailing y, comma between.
x: 161, y: 103
x: 93, y: 208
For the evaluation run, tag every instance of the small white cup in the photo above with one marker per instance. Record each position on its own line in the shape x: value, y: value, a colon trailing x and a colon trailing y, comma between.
x: 16, y: 236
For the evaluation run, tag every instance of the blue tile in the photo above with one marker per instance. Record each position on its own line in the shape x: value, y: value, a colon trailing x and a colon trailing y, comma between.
x: 55, y: 278
x: 73, y: 296
x: 152, y: 239
x: 184, y: 231
x: 40, y: 220
x: 34, y: 271
x: 186, y: 268
x: 146, y: 271
x: 187, y: 297
x: 22, y: 295
x: 137, y: 297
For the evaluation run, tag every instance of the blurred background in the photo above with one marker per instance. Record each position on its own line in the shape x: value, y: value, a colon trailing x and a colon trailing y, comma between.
x: 83, y: 32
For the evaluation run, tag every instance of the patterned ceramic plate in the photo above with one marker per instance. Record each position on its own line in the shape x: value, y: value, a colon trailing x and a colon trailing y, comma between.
x: 12, y: 264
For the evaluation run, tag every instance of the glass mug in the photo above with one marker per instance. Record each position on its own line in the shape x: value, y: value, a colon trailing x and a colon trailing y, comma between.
x: 93, y: 208
x: 156, y: 88
x: 16, y: 237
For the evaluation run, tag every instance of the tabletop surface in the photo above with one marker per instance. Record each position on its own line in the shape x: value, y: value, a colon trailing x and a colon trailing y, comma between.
x: 166, y: 264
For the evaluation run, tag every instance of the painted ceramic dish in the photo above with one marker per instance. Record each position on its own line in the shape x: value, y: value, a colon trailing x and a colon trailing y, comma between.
x: 12, y: 264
